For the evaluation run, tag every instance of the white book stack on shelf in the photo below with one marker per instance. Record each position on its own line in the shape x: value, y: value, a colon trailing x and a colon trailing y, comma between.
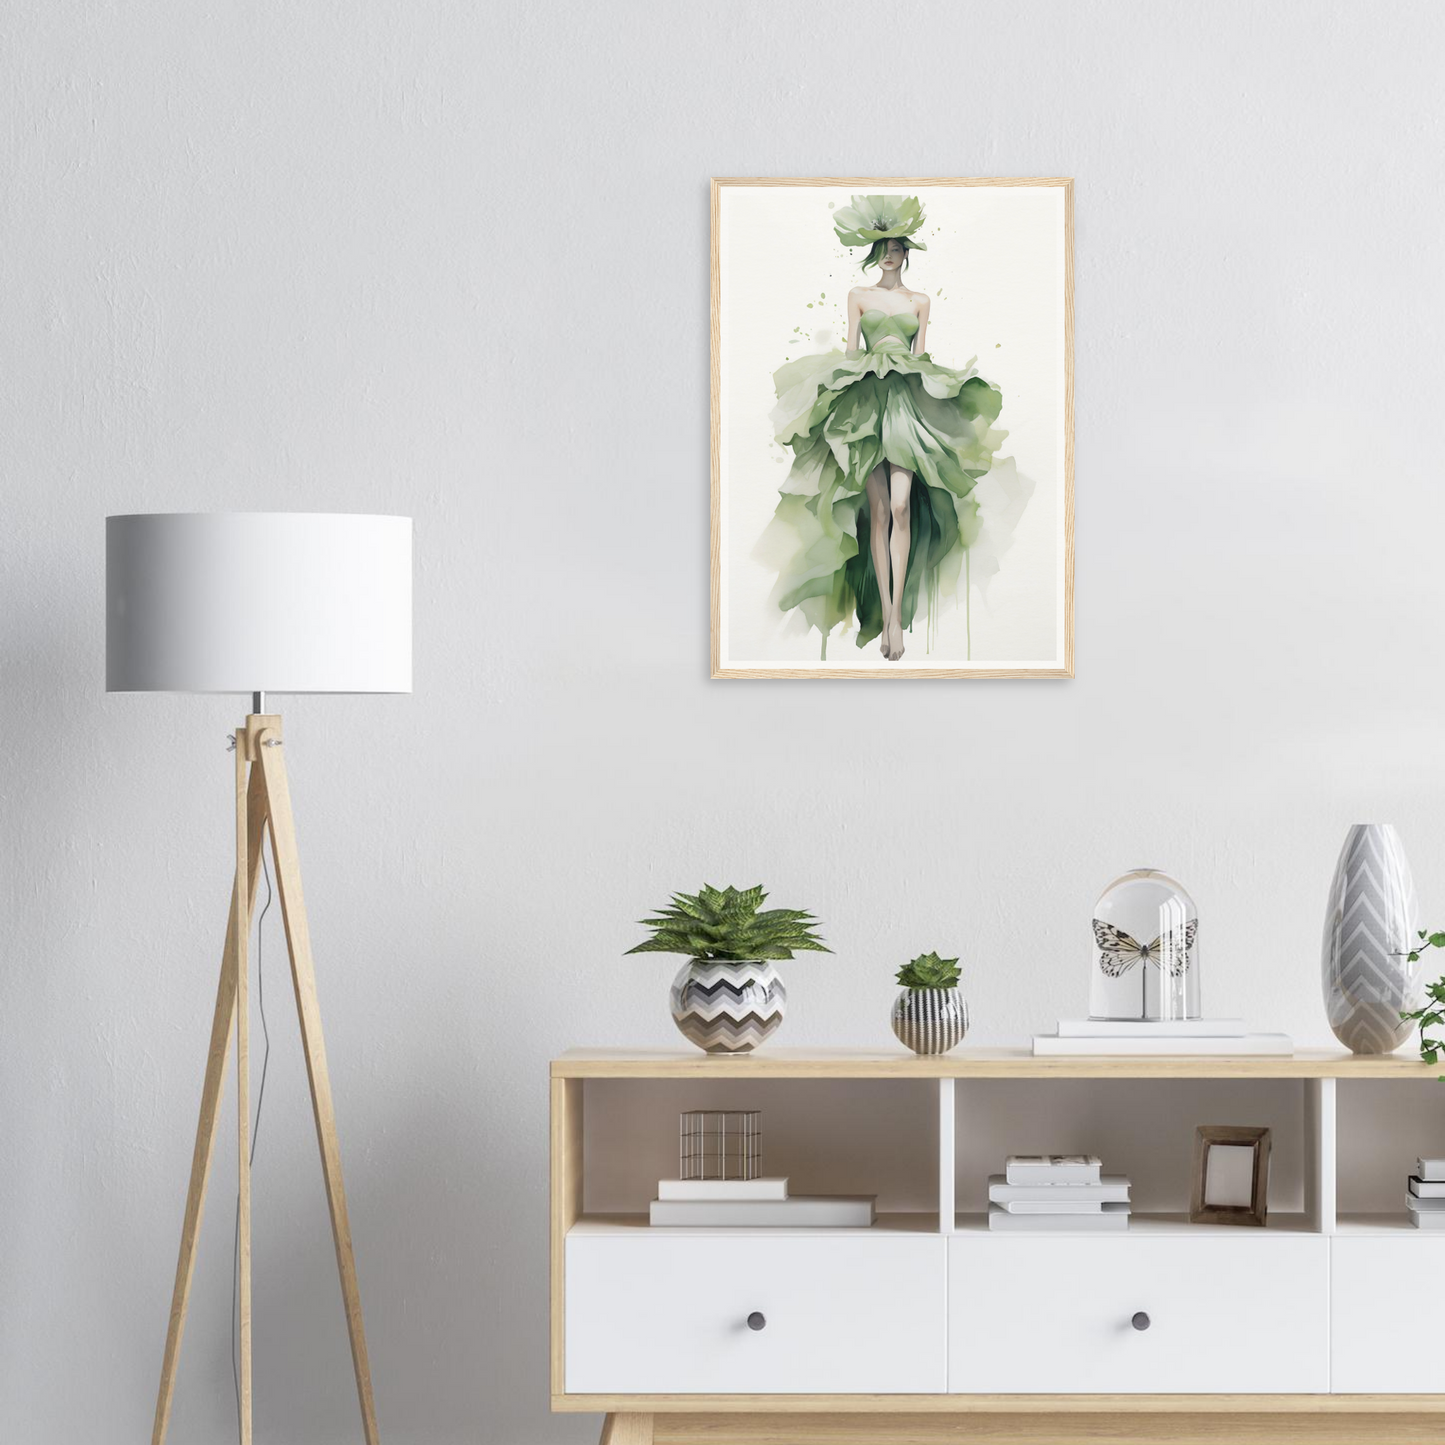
x: 721, y: 1191
x: 1146, y: 1037
x: 1052, y: 1192
x: 760, y: 1203
x: 1425, y: 1195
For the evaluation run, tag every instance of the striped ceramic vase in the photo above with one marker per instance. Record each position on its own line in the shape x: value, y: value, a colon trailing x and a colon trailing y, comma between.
x: 1370, y: 924
x: 930, y: 1020
x: 728, y: 1008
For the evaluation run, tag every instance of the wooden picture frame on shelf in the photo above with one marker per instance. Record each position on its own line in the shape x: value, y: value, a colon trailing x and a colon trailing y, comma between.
x: 1216, y: 1200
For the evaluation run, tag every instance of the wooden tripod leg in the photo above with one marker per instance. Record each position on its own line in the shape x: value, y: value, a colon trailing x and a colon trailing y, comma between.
x: 210, y: 1103
x: 303, y: 977
x: 243, y: 1100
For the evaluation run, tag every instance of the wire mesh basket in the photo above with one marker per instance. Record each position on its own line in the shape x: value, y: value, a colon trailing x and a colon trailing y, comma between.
x: 720, y: 1144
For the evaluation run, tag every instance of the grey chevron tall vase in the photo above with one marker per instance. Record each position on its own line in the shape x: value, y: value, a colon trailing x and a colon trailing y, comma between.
x: 1369, y: 928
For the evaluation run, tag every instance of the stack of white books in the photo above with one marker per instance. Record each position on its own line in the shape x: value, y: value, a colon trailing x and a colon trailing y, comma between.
x: 1040, y: 1192
x: 762, y: 1203
x: 1425, y: 1197
x: 1144, y: 1037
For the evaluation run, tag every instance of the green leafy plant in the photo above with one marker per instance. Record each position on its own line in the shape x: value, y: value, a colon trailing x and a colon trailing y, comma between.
x: 1433, y: 1014
x: 728, y: 925
x: 928, y: 970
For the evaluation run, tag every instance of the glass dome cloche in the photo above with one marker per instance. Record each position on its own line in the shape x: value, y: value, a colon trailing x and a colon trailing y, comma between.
x: 1146, y: 955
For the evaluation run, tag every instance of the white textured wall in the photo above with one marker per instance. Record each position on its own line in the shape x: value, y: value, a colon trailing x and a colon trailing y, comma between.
x: 452, y: 261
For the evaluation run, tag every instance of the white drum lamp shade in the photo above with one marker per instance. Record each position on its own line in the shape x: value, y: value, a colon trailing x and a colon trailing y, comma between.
x: 257, y: 602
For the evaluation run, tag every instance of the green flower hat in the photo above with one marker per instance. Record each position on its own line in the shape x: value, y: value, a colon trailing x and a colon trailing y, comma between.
x: 879, y: 218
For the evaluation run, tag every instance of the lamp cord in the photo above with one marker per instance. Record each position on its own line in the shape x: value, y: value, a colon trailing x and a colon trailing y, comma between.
x: 256, y: 1126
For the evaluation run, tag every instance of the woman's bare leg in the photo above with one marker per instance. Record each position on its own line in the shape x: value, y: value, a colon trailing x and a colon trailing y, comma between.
x: 878, y: 537
x: 900, y: 492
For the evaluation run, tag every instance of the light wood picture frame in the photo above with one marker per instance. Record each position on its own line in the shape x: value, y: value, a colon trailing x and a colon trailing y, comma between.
x: 1209, y: 1203
x: 990, y: 594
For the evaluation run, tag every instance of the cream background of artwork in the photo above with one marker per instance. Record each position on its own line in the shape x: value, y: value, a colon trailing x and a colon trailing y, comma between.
x: 993, y: 272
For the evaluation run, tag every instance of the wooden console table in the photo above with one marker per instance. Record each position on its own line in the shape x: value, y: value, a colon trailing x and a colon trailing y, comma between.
x: 928, y: 1328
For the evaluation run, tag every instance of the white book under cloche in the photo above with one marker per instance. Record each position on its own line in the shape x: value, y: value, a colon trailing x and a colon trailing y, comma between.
x: 1151, y: 1028
x: 1159, y: 1046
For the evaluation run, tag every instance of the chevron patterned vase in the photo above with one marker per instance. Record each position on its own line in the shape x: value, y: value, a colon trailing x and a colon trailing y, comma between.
x: 728, y: 1008
x: 1369, y: 928
x: 930, y: 1020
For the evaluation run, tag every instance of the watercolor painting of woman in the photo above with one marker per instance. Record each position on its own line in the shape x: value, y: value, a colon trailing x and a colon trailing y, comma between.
x: 877, y: 512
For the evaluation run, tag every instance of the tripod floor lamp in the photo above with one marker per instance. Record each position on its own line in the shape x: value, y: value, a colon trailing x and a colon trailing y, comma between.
x: 258, y: 602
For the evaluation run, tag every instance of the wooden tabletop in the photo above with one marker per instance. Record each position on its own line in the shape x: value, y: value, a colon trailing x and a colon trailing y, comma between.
x: 977, y: 1063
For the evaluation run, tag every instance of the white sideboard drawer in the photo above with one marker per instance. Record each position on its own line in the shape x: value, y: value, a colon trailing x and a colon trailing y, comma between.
x: 650, y: 1312
x: 1242, y: 1314
x: 1379, y: 1345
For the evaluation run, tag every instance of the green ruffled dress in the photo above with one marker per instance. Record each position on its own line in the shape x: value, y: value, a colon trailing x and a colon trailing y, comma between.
x: 844, y: 413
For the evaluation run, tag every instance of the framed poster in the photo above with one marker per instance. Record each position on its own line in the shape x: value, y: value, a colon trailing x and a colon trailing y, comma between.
x: 892, y: 428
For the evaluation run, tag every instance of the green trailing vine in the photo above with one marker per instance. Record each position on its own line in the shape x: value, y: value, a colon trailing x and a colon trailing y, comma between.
x: 1432, y: 1016
x: 928, y: 970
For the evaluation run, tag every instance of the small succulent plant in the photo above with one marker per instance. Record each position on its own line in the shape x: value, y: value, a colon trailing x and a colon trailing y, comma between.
x: 928, y: 970
x: 728, y: 925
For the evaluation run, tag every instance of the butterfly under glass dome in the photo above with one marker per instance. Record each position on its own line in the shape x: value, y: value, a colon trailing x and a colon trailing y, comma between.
x: 1118, y: 952
x: 1145, y: 960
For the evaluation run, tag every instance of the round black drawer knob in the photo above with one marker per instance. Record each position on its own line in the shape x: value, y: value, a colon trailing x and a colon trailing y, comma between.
x: 1141, y: 1321
x: 757, y: 1320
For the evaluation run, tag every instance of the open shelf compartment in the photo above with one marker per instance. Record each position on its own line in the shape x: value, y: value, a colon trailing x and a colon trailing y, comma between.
x: 1143, y: 1130
x: 1384, y: 1125
x: 826, y: 1136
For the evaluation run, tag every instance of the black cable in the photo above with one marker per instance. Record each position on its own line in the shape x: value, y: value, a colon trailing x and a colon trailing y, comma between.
x: 255, y: 1127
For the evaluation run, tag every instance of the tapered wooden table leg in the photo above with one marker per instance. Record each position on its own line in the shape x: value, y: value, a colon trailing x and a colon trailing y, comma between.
x: 303, y: 977
x: 627, y: 1430
x: 210, y: 1116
